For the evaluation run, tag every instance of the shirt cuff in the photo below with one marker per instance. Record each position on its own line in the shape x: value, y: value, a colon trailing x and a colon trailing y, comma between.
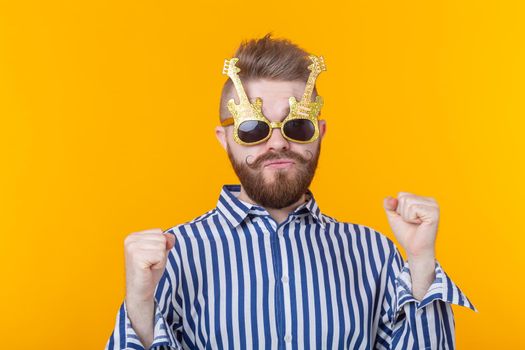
x: 442, y: 288
x: 162, y: 335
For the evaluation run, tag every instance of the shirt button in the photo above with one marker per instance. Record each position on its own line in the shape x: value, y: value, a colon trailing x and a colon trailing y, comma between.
x: 285, y: 279
x: 288, y: 338
x: 298, y: 220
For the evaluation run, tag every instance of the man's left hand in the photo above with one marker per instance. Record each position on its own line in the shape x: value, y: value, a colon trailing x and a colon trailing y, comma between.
x: 414, y: 220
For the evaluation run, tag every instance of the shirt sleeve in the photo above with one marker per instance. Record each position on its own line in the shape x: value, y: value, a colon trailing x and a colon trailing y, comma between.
x: 167, y: 321
x: 407, y: 323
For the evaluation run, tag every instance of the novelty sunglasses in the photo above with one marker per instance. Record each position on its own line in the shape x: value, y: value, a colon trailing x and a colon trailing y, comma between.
x: 251, y: 131
x: 251, y: 127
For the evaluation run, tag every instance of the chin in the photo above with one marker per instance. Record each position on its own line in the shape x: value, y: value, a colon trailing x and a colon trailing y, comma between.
x: 271, y: 175
x: 274, y: 171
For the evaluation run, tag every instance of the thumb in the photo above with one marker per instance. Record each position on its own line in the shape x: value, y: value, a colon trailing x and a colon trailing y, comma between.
x: 170, y: 240
x: 390, y: 205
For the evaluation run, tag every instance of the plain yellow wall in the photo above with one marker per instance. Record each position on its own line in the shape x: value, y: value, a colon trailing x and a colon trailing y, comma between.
x: 107, y: 114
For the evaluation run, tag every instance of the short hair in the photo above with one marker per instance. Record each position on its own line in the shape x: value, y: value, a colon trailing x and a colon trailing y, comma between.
x: 267, y: 58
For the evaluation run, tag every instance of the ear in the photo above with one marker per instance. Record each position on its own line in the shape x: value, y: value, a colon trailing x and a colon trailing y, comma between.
x: 322, y: 128
x: 220, y: 133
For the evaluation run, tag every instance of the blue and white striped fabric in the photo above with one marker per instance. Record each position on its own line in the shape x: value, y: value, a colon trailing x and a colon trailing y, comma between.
x: 235, y: 279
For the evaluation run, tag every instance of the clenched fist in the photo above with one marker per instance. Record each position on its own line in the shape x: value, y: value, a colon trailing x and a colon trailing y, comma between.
x: 414, y: 220
x: 146, y: 253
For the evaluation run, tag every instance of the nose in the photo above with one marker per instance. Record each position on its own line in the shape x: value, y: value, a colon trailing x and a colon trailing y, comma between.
x: 277, y: 142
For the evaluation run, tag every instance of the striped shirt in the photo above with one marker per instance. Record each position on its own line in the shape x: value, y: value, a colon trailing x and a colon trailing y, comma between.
x: 236, y: 279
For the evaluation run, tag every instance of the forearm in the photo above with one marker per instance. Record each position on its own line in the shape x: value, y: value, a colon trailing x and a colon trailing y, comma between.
x: 141, y: 314
x: 422, y: 273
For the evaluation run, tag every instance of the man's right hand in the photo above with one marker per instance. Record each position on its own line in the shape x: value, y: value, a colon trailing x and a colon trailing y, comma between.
x: 146, y: 253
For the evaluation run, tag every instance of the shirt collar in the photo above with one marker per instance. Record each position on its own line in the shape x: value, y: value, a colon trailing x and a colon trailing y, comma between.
x: 235, y: 210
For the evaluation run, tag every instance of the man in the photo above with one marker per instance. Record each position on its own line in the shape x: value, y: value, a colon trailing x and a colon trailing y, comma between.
x: 266, y: 268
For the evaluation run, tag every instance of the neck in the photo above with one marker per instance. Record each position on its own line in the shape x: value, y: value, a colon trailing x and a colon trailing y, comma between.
x: 279, y: 215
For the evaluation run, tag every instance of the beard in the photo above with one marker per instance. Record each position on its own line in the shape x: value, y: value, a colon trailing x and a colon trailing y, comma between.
x: 285, y: 187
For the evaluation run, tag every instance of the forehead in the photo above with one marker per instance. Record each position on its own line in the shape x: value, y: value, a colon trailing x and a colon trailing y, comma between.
x: 274, y: 90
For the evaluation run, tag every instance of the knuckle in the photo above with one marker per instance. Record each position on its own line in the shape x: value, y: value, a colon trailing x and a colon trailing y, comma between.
x: 131, y: 247
x: 128, y: 240
x: 150, y: 232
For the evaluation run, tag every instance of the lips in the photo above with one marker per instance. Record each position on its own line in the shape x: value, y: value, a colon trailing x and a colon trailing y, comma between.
x: 278, y: 162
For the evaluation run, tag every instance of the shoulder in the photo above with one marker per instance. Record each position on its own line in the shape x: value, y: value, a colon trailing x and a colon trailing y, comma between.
x: 194, y: 225
x: 362, y: 235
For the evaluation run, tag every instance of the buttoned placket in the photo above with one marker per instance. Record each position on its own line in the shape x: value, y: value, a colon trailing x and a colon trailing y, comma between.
x: 275, y: 234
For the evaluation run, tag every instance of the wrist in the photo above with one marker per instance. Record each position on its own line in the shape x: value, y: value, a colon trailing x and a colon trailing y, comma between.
x: 425, y: 256
x: 139, y: 300
x: 422, y: 262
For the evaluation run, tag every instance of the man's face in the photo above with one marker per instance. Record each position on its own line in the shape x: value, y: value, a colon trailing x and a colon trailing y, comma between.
x: 275, y: 173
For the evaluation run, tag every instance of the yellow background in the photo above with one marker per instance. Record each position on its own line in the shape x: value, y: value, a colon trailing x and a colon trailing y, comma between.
x: 107, y: 114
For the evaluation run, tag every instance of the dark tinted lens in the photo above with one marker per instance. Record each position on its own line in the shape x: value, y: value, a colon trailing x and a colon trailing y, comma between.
x: 253, y: 131
x: 299, y: 129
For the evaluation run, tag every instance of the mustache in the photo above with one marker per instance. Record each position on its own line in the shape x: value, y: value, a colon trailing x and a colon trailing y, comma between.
x: 286, y: 154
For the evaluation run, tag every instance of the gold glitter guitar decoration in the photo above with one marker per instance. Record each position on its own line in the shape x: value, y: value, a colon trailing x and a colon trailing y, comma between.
x: 252, y: 127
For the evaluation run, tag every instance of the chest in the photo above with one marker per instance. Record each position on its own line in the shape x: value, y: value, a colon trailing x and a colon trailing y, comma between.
x: 294, y: 285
